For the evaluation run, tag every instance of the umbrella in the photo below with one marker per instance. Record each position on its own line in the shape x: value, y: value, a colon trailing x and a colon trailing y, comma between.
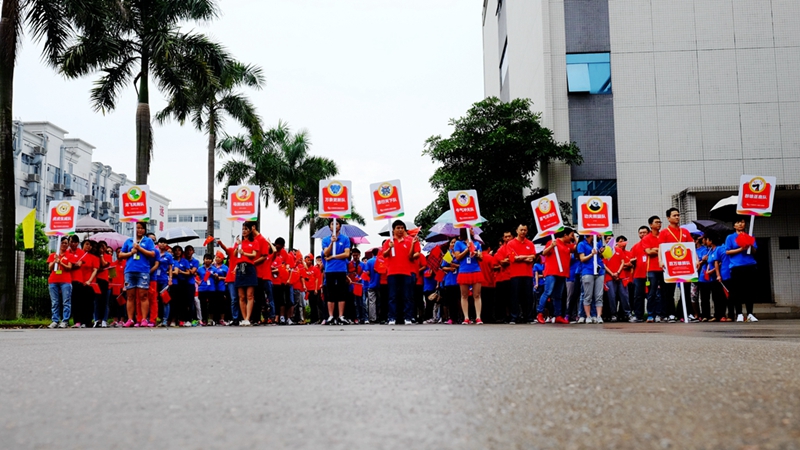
x: 430, y: 246
x: 114, y: 240
x: 448, y: 229
x: 179, y: 234
x: 385, y: 229
x: 351, y: 231
x: 725, y: 209
x: 359, y: 240
x: 89, y: 224
x: 712, y: 227
x: 448, y: 217
x: 692, y: 229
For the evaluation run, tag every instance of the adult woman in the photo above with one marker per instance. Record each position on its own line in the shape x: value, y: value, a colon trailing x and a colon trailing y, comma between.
x: 60, y: 284
x: 137, y: 251
x: 246, y: 280
x: 230, y: 278
x: 469, y: 253
x: 592, y: 277
x: 182, y: 290
x: 451, y: 291
x: 86, y: 298
x: 740, y: 248
x: 163, y: 278
x: 101, y: 300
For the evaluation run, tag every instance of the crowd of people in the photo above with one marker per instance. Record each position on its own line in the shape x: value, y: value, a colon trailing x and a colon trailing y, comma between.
x: 253, y: 281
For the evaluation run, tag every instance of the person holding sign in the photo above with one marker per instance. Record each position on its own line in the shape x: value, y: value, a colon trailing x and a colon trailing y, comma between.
x: 401, y: 252
x: 555, y: 275
x: 60, y: 285
x: 671, y: 235
x: 468, y: 254
x: 336, y: 251
x: 521, y: 253
x: 592, y: 278
x: 137, y: 252
x: 246, y: 279
x: 741, y: 247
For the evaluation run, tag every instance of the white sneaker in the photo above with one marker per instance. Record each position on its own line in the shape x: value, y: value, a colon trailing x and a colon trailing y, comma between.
x: 53, y: 325
x: 244, y: 323
x: 366, y: 322
x: 599, y: 320
x: 672, y: 319
x: 289, y: 322
x: 103, y: 324
x: 392, y: 322
x: 408, y: 322
x: 594, y: 320
x: 63, y: 325
x: 658, y: 319
x: 751, y: 318
x: 740, y: 318
x: 582, y: 320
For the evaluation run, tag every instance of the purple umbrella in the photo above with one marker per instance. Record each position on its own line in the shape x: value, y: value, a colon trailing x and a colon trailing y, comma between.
x: 114, y: 240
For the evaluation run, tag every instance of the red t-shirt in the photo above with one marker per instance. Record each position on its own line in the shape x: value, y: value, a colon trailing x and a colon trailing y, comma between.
x: 275, y: 264
x: 298, y: 275
x: 422, y: 263
x: 551, y: 263
x: 487, y: 264
x: 58, y: 274
x: 651, y: 241
x: 638, y: 255
x: 233, y: 260
x: 516, y: 248
x: 102, y: 273
x: 263, y: 269
x: 76, y: 272
x: 250, y: 247
x: 90, y: 263
x: 671, y: 235
x: 399, y: 264
x: 314, y: 279
x: 503, y: 274
x: 613, y: 264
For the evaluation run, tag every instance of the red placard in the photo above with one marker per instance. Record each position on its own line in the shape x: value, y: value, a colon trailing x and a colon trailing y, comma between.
x: 62, y: 217
x: 335, y: 199
x: 546, y: 214
x: 387, y: 199
x: 595, y: 216
x: 756, y: 194
x: 134, y: 202
x: 244, y: 202
x: 679, y: 262
x: 464, y: 208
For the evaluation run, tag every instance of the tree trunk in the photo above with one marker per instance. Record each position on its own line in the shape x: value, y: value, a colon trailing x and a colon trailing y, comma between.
x: 143, y: 131
x: 212, y: 144
x: 311, y: 229
x: 9, y: 22
x: 291, y: 218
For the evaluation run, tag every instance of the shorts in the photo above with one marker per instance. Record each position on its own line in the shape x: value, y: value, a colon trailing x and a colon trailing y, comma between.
x: 137, y: 280
x: 337, y: 287
x: 468, y: 279
x: 246, y: 275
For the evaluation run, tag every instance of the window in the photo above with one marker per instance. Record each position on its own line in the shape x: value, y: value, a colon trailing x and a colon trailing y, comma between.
x: 216, y: 225
x: 53, y: 174
x: 504, y: 65
x: 80, y: 185
x: 185, y: 218
x: 596, y: 187
x: 202, y: 233
x: 172, y: 219
x: 28, y: 202
x: 200, y: 219
x: 589, y: 73
x: 28, y: 165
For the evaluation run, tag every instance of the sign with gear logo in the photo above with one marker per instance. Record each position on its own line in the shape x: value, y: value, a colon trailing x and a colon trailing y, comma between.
x: 387, y: 200
x: 62, y: 217
x: 334, y: 199
x: 679, y: 262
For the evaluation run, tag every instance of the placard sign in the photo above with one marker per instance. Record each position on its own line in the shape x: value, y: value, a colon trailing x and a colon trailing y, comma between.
x: 62, y: 217
x: 334, y: 199
x: 547, y: 215
x: 680, y: 262
x: 133, y: 203
x: 756, y: 195
x: 387, y: 200
x: 594, y: 215
x: 465, y: 208
x: 243, y: 202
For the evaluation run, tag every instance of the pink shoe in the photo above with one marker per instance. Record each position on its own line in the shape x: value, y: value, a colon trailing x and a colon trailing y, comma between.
x: 151, y: 324
x: 77, y: 325
x: 144, y: 323
x: 449, y: 322
x: 128, y: 324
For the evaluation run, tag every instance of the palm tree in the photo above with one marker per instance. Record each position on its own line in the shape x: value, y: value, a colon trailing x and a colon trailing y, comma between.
x: 208, y: 105
x: 280, y: 164
x: 144, y: 41
x: 53, y: 20
x: 315, y: 222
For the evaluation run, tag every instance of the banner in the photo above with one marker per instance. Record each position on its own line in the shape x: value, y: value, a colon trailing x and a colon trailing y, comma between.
x: 62, y: 217
x: 243, y: 202
x: 594, y: 215
x: 679, y: 262
x: 387, y: 200
x: 334, y: 199
x: 133, y: 203
x: 547, y: 215
x: 465, y: 208
x: 756, y: 195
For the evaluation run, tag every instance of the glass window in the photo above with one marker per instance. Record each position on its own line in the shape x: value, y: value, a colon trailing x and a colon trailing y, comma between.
x: 28, y: 202
x: 589, y: 73
x: 596, y: 187
x: 202, y: 233
x: 200, y: 219
x: 172, y: 219
x: 216, y: 225
x: 185, y: 218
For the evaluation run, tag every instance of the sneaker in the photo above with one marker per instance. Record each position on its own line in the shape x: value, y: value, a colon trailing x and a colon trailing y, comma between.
x: 449, y: 322
x: 283, y: 320
x: 53, y: 325
x: 613, y: 319
x: 330, y: 321
x: 96, y: 324
x: 478, y: 322
x: 187, y: 324
x: 144, y: 323
x: 128, y: 324
x: 103, y: 324
x: 672, y: 319
x: 366, y: 322
x: 465, y: 322
x: 599, y: 320
x: 151, y: 324
x: 343, y: 321
x: 78, y: 324
x: 409, y: 322
x: 658, y: 319
x: 634, y: 319
x: 561, y: 320
x: 289, y: 322
x: 392, y: 322
x: 540, y: 318
x: 693, y: 319
x: 512, y: 323
x: 739, y: 318
x: 195, y: 323
x: 581, y: 320
x: 244, y: 323
x: 751, y: 318
x: 162, y: 324
x: 650, y: 319
x: 63, y: 325
x: 593, y: 320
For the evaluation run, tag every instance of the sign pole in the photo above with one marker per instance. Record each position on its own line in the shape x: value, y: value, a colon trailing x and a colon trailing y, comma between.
x: 334, y: 233
x: 752, y: 221
x: 595, y: 255
x: 683, y: 303
x: 558, y: 257
x: 391, y: 232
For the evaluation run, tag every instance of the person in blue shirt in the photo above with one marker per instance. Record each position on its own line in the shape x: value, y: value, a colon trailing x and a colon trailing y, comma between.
x: 721, y: 263
x: 373, y: 286
x: 336, y: 252
x: 705, y: 280
x: 182, y: 291
x: 138, y: 251
x: 207, y: 289
x: 451, y: 292
x: 538, y: 281
x: 592, y: 278
x: 222, y: 301
x: 194, y: 302
x: 743, y: 271
x: 163, y: 278
x: 469, y: 254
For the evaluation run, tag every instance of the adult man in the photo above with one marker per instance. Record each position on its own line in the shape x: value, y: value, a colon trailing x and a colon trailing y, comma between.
x: 336, y: 251
x: 655, y: 276
x: 617, y: 280
x: 521, y: 253
x: 556, y: 271
x: 673, y: 234
x: 264, y: 273
x: 639, y: 259
x: 401, y: 252
x: 502, y: 280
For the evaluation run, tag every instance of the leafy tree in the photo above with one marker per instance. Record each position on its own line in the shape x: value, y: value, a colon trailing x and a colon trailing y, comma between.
x: 140, y: 40
x: 208, y: 105
x: 40, y: 242
x: 496, y: 148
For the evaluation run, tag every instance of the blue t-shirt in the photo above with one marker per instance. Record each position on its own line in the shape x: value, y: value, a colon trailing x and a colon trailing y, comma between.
x: 222, y: 271
x: 724, y: 261
x: 165, y: 263
x: 138, y: 263
x: 450, y: 278
x: 429, y: 284
x: 538, y: 268
x: 587, y: 268
x: 739, y: 259
x: 574, y: 268
x: 209, y: 284
x: 342, y: 244
x: 701, y: 272
x: 374, y: 277
x: 182, y: 264
x: 467, y: 264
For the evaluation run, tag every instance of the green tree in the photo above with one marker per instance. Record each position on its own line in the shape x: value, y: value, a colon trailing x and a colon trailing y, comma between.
x: 53, y: 22
x: 40, y: 242
x: 280, y: 164
x: 140, y: 41
x: 496, y: 148
x: 207, y: 107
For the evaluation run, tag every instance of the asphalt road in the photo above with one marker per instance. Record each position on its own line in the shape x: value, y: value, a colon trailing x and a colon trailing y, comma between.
x: 642, y: 386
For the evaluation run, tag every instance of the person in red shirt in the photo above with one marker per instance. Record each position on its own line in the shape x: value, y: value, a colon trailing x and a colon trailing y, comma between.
x: 60, y: 285
x: 616, y: 280
x: 401, y: 252
x: 557, y: 250
x: 672, y: 234
x: 314, y: 284
x: 230, y: 278
x: 419, y: 297
x: 246, y: 278
x: 502, y: 280
x: 276, y: 264
x: 101, y: 300
x: 90, y: 268
x: 265, y: 297
x: 655, y: 276
x: 639, y: 260
x: 521, y: 254
x: 76, y: 255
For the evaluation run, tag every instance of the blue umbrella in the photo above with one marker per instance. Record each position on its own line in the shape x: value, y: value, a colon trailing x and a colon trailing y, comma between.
x: 347, y: 230
x: 692, y: 229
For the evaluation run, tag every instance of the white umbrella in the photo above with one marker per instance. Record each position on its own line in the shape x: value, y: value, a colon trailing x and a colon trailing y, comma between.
x: 179, y: 234
x: 385, y: 229
x: 89, y: 224
x: 448, y: 217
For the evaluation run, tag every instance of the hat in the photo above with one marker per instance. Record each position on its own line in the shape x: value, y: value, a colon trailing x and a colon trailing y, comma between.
x: 221, y: 255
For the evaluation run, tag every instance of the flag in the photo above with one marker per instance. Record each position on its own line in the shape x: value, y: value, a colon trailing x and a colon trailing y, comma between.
x: 434, y: 258
x: 29, y: 229
x: 448, y: 257
x: 208, y: 240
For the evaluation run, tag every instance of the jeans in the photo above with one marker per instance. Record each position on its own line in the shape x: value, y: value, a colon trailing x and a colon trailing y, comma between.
x: 553, y: 289
x: 358, y: 301
x: 234, y: 294
x: 400, y: 293
x: 654, y: 305
x: 521, y: 298
x: 592, y: 290
x: 372, y: 304
x: 615, y: 288
x: 573, y: 298
x: 640, y: 285
x: 61, y: 298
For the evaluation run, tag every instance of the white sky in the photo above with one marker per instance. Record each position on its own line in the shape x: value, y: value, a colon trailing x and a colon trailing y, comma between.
x: 370, y: 81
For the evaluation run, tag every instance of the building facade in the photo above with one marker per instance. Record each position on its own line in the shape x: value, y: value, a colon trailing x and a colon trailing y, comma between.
x: 670, y: 102
x: 48, y: 165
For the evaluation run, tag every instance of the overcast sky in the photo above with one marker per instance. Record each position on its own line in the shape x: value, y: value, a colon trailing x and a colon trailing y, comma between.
x: 370, y: 81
